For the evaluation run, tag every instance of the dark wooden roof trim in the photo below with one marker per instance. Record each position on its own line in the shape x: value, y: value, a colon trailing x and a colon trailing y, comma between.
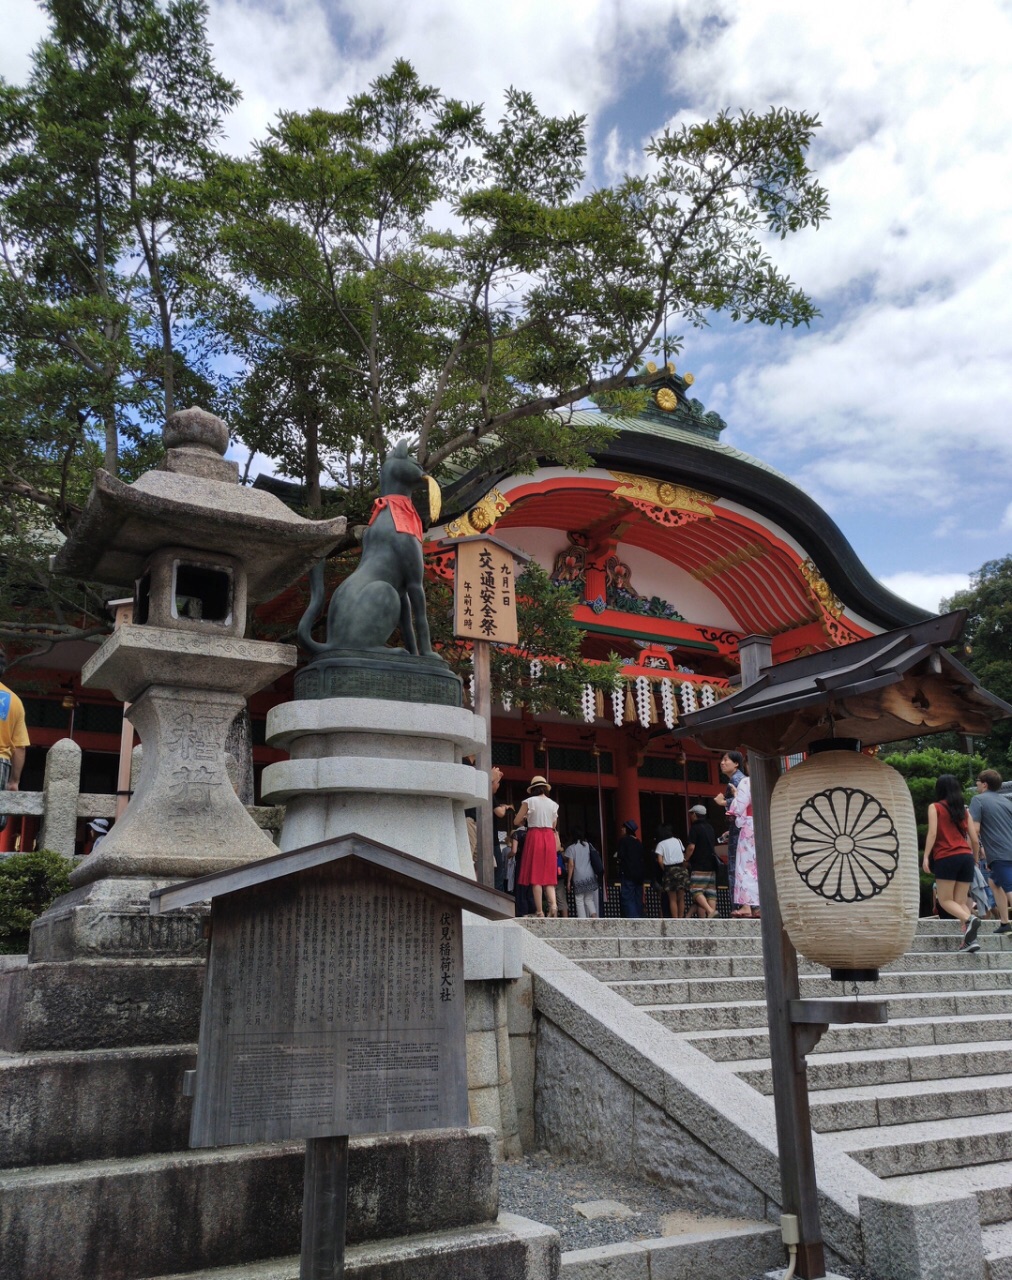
x: 425, y: 876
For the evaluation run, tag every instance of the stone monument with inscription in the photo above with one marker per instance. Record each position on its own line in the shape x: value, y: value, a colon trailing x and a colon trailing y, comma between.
x: 334, y: 1006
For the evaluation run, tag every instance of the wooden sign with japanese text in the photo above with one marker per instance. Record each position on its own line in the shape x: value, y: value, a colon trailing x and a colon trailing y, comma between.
x: 484, y: 603
x: 334, y: 1004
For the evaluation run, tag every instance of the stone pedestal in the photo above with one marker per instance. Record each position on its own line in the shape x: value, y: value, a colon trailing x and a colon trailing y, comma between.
x: 184, y: 819
x: 390, y: 771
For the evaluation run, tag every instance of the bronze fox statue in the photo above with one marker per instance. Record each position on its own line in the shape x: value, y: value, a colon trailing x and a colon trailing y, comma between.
x: 385, y: 590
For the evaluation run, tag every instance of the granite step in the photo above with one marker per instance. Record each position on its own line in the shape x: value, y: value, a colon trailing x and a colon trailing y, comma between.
x: 890, y: 1151
x: 125, y: 1102
x: 732, y: 1045
x: 990, y: 1183
x: 998, y: 1251
x: 159, y: 1214
x: 964, y: 980
x: 510, y: 1246
x: 751, y: 1014
x: 925, y: 1063
x: 655, y: 968
x: 834, y: 1110
x: 550, y: 928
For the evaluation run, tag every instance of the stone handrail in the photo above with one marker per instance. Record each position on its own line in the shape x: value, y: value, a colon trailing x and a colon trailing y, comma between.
x: 61, y: 803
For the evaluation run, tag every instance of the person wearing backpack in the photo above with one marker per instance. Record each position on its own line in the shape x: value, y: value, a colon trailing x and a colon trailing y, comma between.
x: 992, y: 812
x: 584, y: 867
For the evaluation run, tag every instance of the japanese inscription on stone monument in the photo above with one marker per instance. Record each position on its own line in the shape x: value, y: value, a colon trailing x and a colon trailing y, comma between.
x: 333, y: 1006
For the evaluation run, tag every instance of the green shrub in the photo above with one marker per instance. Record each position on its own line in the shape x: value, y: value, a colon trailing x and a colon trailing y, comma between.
x: 29, y: 882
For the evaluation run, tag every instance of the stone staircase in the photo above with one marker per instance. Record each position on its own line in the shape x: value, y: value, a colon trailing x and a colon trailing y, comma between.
x: 97, y: 1180
x: 923, y: 1102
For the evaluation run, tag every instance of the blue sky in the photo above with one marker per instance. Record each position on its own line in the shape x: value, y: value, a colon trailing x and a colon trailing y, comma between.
x: 892, y: 410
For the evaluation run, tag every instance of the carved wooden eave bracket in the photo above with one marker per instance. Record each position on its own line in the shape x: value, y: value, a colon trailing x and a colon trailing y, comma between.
x: 883, y: 689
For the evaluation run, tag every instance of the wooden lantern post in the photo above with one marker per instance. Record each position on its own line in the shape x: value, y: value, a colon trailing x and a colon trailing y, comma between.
x: 882, y: 689
x: 780, y: 963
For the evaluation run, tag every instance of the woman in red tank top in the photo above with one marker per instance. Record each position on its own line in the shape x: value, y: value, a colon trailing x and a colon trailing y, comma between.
x: 952, y: 843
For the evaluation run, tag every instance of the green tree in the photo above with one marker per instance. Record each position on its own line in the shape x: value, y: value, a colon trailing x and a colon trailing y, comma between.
x: 988, y: 651
x: 469, y: 289
x: 546, y: 634
x: 102, y: 156
x: 922, y: 769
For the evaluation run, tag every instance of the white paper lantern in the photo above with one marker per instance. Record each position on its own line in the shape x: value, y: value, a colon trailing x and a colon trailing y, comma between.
x: 845, y: 857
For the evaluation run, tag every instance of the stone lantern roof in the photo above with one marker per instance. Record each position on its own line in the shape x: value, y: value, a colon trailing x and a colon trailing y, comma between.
x: 194, y: 500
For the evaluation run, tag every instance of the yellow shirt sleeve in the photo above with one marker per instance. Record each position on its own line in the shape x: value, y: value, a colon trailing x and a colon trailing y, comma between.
x: 13, y: 730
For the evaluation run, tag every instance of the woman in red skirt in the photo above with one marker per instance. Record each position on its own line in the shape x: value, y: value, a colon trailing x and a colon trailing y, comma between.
x: 538, y: 863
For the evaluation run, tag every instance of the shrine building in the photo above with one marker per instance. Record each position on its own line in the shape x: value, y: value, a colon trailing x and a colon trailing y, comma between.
x: 677, y: 546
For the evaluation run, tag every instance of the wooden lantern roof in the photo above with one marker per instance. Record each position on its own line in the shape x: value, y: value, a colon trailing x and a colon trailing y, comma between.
x: 891, y: 686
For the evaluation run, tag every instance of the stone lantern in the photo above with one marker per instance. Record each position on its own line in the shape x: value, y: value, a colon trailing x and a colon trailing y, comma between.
x: 197, y: 549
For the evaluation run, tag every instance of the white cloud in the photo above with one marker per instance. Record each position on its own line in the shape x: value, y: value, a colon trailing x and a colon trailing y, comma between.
x: 24, y: 26
x: 911, y: 370
x: 926, y: 589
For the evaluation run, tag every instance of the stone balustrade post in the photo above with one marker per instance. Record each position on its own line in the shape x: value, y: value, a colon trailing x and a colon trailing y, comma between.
x: 61, y: 787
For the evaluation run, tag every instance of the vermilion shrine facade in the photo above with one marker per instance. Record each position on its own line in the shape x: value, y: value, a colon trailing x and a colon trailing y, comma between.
x: 677, y: 545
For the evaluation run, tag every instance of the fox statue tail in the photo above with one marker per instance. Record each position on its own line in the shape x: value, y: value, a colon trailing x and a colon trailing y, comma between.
x: 305, y: 630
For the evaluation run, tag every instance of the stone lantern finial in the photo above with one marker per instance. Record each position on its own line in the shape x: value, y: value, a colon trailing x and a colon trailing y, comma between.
x: 196, y: 429
x: 195, y: 444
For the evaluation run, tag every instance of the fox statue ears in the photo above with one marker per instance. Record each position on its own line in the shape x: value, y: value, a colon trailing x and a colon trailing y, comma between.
x: 400, y: 449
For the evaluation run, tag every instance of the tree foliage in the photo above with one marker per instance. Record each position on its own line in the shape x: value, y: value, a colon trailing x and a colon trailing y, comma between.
x: 29, y: 883
x: 923, y: 768
x: 102, y: 156
x: 455, y: 280
x: 988, y: 652
x: 402, y: 266
x: 546, y: 634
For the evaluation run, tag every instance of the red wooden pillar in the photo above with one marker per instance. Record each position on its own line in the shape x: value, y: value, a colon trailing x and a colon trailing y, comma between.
x: 627, y: 796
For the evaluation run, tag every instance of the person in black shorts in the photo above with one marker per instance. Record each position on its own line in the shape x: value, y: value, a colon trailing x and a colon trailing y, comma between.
x: 951, y: 849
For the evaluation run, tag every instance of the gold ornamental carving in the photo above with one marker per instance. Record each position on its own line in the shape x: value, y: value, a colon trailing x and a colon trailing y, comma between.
x: 821, y: 590
x: 481, y: 517
x: 661, y: 493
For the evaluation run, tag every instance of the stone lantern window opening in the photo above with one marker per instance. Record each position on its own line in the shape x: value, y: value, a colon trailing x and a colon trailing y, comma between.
x: 184, y: 591
x: 142, y: 600
x: 201, y: 592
